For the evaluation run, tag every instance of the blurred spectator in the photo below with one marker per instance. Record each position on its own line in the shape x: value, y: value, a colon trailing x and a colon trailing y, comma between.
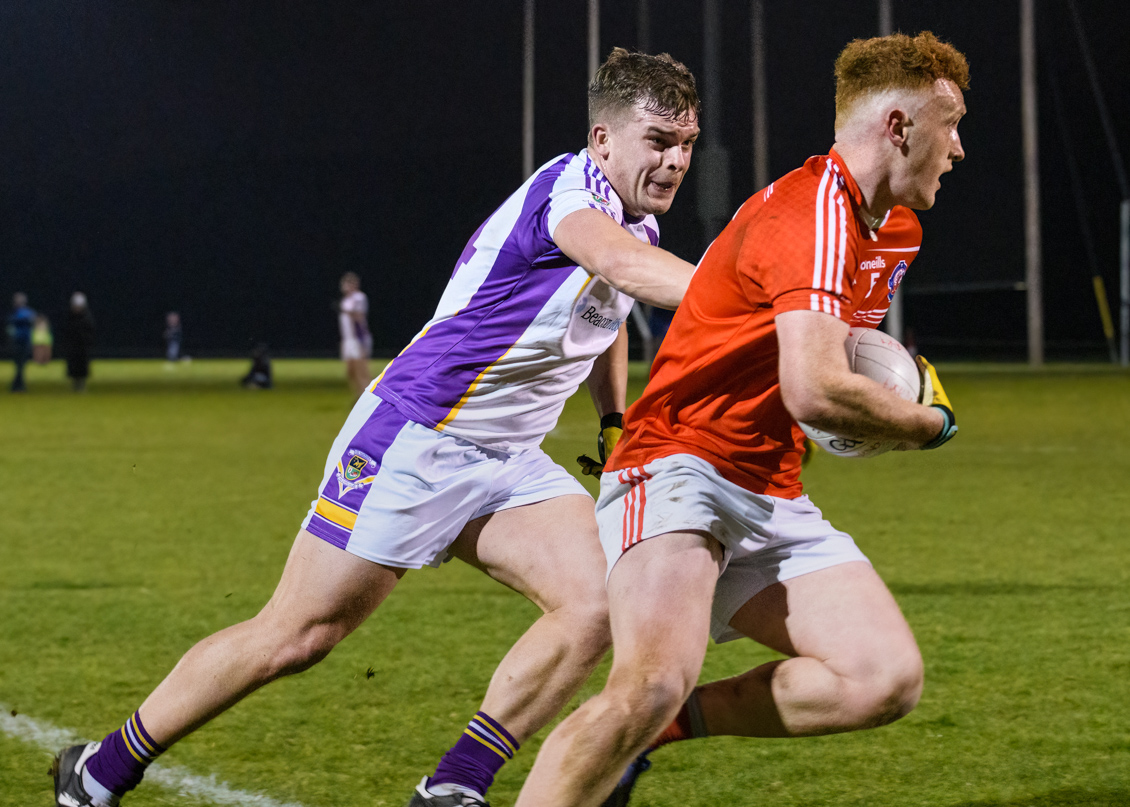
x: 259, y: 376
x: 173, y: 335
x: 356, y: 341
x: 78, y: 338
x: 41, y: 340
x: 20, y: 323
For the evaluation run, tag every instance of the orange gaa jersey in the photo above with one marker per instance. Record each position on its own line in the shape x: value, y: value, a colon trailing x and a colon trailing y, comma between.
x: 714, y: 390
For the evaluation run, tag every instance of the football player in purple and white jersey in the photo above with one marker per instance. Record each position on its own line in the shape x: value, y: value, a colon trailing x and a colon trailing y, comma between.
x: 356, y: 341
x: 440, y: 457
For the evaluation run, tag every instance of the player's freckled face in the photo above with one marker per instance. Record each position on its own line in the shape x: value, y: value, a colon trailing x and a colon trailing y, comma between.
x: 934, y: 144
x: 645, y: 156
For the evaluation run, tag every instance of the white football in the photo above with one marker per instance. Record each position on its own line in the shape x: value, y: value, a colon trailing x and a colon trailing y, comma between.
x: 881, y: 358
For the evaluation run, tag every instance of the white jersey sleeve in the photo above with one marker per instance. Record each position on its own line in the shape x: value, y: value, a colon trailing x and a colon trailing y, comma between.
x: 569, y: 197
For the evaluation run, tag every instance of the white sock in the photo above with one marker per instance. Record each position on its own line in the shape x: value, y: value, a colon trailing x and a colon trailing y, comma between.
x: 98, y: 794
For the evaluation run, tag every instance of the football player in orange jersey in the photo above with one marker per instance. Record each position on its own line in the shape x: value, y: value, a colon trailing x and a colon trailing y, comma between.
x: 702, y: 516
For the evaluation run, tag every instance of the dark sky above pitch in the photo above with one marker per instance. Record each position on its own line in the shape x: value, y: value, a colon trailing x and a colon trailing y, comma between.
x: 231, y: 161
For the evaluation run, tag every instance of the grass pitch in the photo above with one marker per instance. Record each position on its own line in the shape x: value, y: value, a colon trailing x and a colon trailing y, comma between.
x: 159, y: 507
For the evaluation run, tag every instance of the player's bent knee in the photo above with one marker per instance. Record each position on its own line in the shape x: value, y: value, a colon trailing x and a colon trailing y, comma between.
x: 593, y: 634
x: 585, y: 627
x: 297, y: 652
x: 894, y: 692
x: 648, y: 701
x: 906, y: 689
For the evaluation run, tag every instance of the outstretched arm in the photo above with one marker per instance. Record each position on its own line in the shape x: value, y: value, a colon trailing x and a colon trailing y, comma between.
x: 604, y: 248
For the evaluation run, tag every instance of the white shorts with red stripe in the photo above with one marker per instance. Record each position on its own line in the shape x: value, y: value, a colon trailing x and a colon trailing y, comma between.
x: 766, y: 539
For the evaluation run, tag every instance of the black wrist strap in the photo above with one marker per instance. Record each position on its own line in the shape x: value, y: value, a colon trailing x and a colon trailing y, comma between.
x: 613, y: 420
x: 949, y: 427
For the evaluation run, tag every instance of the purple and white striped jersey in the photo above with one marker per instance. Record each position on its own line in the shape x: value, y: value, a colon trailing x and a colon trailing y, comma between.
x: 519, y: 324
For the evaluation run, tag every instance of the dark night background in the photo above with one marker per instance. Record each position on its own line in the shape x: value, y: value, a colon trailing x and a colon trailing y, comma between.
x: 230, y: 161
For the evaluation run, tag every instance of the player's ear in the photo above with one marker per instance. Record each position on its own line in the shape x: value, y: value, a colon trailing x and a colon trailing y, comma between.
x: 599, y: 137
x: 898, y: 124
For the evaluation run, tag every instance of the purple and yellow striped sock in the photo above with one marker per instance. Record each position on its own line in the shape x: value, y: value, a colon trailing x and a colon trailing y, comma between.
x: 125, y: 754
x: 475, y: 759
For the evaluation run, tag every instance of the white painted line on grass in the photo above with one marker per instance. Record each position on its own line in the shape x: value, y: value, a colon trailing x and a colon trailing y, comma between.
x: 171, y: 777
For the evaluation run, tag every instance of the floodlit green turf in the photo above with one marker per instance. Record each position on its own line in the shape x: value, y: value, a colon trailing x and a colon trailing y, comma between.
x: 159, y: 507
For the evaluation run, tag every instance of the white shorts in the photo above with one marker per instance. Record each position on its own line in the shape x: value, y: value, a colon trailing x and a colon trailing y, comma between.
x: 356, y: 349
x: 398, y: 493
x: 766, y: 539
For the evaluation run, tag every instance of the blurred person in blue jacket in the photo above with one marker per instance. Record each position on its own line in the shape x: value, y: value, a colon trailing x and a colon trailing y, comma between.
x: 20, y: 323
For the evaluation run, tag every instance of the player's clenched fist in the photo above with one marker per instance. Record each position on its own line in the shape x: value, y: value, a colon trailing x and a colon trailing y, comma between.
x: 933, y: 395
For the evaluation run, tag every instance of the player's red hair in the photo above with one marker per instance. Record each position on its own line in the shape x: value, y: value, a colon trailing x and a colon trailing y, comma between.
x: 892, y: 62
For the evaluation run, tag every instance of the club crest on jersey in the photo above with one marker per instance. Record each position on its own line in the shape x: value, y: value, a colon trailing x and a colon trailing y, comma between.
x: 600, y: 203
x: 896, y: 278
x: 356, y: 467
x: 351, y: 472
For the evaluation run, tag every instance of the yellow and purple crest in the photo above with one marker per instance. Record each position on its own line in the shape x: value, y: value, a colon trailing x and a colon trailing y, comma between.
x: 351, y: 471
x: 356, y: 467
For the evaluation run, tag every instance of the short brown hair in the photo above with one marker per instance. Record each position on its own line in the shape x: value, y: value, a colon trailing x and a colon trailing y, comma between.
x: 663, y: 85
x: 895, y: 62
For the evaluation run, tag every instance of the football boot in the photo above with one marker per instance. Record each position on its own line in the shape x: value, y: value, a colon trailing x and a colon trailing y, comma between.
x: 67, y: 770
x: 457, y: 798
